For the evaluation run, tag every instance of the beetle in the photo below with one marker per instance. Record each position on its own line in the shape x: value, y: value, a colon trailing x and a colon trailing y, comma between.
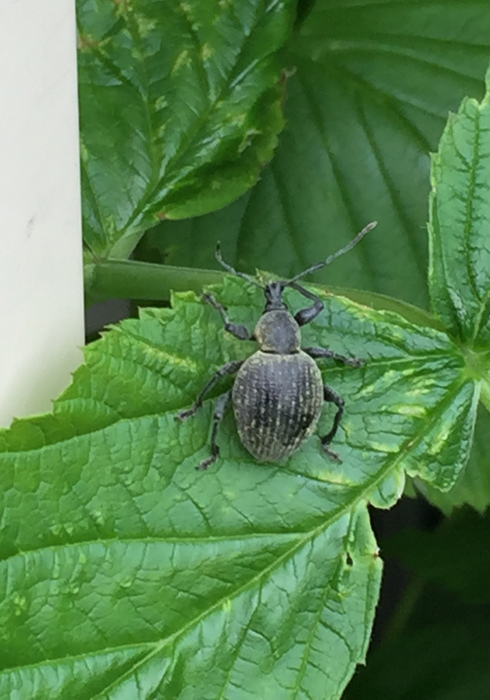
x: 278, y: 393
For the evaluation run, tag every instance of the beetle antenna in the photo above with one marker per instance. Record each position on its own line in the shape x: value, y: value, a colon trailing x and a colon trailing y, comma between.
x: 335, y: 255
x: 232, y: 270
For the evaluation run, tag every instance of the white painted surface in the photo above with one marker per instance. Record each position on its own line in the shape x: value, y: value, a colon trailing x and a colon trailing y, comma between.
x: 41, y: 285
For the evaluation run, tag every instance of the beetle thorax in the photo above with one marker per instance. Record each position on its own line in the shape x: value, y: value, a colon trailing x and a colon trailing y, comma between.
x: 278, y: 332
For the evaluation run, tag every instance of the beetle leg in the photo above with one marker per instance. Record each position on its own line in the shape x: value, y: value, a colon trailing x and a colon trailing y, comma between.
x: 331, y: 395
x: 229, y: 368
x: 235, y: 329
x: 306, y: 315
x: 219, y: 412
x: 326, y: 352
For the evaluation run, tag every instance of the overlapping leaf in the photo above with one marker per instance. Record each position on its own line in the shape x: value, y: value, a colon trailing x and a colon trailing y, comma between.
x: 441, y: 654
x: 440, y: 649
x: 167, y: 582
x: 367, y: 103
x: 459, y: 542
x: 180, y: 108
x: 460, y: 267
x: 460, y: 225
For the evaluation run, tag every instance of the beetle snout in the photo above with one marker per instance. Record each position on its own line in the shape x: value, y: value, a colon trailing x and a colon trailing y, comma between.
x: 273, y: 297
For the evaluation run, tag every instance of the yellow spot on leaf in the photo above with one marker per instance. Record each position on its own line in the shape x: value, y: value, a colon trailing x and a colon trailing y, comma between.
x: 207, y: 52
x: 182, y: 60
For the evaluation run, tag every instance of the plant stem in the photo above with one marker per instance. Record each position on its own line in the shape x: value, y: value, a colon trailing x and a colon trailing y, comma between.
x: 143, y: 281
x: 131, y: 279
x: 402, y: 614
x: 485, y: 392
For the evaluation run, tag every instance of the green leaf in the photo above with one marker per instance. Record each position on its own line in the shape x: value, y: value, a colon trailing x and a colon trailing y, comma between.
x: 249, y: 579
x: 437, y: 643
x: 459, y: 565
x: 369, y: 98
x: 460, y: 223
x: 180, y: 108
x: 473, y: 484
x: 460, y: 270
x: 442, y: 654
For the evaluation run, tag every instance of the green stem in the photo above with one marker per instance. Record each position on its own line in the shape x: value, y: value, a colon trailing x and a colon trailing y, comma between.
x: 477, y: 369
x: 131, y: 279
x: 382, y: 302
x: 404, y: 610
x: 485, y: 392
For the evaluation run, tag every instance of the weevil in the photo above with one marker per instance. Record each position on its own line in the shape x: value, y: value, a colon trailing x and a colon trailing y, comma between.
x: 278, y: 393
